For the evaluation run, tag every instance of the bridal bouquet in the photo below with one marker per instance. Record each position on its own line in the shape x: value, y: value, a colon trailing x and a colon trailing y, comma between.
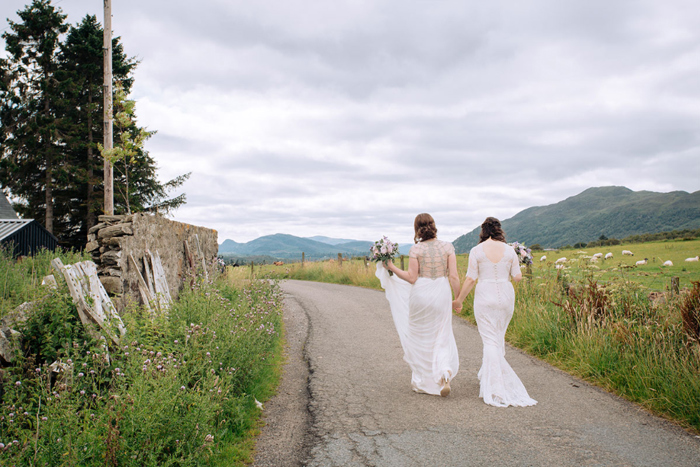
x: 384, y: 250
x: 523, y: 252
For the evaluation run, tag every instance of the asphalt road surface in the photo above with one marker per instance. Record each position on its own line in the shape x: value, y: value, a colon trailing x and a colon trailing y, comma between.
x: 346, y: 400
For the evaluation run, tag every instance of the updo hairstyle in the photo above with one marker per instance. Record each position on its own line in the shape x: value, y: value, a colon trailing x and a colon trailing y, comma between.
x: 424, y: 225
x: 491, y: 228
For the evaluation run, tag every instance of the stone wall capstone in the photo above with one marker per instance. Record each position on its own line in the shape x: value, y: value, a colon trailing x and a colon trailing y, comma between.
x: 116, y: 237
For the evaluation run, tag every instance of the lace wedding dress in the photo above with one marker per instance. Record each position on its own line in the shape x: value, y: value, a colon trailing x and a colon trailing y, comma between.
x: 422, y: 314
x: 494, y: 302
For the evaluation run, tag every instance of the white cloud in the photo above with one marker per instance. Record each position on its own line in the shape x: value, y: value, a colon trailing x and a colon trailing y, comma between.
x: 348, y: 118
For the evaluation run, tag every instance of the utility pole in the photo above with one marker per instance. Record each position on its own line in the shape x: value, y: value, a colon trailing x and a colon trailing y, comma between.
x: 108, y: 114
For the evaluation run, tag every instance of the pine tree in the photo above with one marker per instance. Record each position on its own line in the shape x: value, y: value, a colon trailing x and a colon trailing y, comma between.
x: 31, y: 162
x: 51, y: 120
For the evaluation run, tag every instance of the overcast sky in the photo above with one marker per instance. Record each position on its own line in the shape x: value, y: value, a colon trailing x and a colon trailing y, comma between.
x: 348, y: 118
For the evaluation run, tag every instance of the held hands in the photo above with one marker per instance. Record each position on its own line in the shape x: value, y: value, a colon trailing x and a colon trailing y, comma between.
x: 456, y: 305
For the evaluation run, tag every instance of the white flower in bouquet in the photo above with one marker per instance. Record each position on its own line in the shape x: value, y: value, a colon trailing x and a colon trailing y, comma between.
x: 524, y: 253
x: 384, y: 250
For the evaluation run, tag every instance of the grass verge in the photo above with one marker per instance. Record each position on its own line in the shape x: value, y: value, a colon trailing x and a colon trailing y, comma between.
x: 180, y: 390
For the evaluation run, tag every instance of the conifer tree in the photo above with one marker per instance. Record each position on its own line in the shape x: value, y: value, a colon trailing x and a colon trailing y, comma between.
x: 31, y: 162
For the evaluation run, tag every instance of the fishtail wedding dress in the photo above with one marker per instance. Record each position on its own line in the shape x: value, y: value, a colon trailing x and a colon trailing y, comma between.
x: 422, y: 314
x: 494, y: 302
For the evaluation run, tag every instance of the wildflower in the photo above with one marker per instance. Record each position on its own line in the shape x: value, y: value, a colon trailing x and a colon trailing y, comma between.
x: 18, y: 383
x: 175, y: 341
x: 182, y: 387
x: 2, y: 445
x: 81, y: 374
x: 44, y: 418
x: 38, y: 370
x: 82, y: 393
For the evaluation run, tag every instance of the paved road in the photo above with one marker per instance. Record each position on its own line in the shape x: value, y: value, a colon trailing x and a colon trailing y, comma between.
x: 345, y: 400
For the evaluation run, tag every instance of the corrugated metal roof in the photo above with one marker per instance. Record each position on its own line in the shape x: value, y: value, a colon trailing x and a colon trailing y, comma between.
x: 10, y: 226
x: 6, y: 211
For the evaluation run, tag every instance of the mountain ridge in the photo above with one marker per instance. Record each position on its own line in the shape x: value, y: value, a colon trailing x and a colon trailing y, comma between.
x: 612, y: 211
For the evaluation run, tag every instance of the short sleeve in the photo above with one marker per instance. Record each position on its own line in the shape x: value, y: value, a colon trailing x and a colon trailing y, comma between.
x: 450, y: 249
x: 473, y: 269
x: 515, y: 264
x: 413, y: 252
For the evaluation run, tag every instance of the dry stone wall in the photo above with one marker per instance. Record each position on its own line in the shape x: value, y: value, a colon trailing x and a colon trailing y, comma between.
x: 115, y: 238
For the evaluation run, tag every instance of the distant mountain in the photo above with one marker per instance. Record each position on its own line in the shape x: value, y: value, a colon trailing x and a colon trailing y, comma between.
x: 330, y: 240
x: 285, y: 246
x: 613, y: 211
x: 229, y: 246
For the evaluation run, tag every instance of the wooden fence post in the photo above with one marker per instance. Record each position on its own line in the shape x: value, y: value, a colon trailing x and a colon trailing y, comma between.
x: 302, y: 259
x: 675, y: 285
x: 340, y: 260
x: 402, y: 268
x: 251, y: 268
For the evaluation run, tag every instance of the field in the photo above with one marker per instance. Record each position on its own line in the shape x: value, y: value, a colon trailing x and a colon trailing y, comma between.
x: 611, y: 323
x: 620, y: 269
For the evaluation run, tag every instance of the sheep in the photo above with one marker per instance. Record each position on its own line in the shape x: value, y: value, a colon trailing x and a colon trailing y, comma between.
x: 278, y: 263
x: 627, y: 252
x: 641, y: 262
x: 693, y: 259
x: 608, y: 255
x: 544, y: 257
x: 598, y: 255
x: 560, y: 260
x: 668, y: 263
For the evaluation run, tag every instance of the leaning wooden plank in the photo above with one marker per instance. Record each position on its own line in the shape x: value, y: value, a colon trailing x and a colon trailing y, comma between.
x: 145, y: 294
x: 148, y: 273
x: 75, y: 291
x: 201, y: 255
x: 93, y: 304
x: 161, y: 282
x: 188, y: 255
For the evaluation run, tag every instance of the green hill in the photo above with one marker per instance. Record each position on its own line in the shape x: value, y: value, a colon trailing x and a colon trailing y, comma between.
x: 615, y: 212
x: 283, y: 246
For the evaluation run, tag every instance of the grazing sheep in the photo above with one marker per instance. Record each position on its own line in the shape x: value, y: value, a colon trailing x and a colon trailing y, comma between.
x: 693, y: 259
x: 641, y: 263
x: 278, y: 263
x: 627, y: 252
x: 608, y: 255
x: 598, y: 255
x: 668, y: 263
x: 562, y: 260
x: 544, y: 257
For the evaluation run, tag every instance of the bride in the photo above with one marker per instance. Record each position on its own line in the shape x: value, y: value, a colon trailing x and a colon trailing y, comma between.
x: 493, y: 263
x: 420, y: 301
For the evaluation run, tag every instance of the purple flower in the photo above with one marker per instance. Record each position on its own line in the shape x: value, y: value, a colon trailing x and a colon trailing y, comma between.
x: 18, y: 383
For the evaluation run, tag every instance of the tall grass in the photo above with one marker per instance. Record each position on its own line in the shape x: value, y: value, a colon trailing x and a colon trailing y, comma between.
x: 180, y: 390
x: 593, y: 320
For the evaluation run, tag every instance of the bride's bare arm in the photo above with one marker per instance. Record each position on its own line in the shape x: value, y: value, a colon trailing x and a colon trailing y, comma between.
x: 453, y: 274
x: 467, y: 287
x: 409, y: 276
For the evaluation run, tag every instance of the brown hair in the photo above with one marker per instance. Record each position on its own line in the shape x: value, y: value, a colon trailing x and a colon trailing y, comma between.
x: 424, y: 225
x: 491, y: 228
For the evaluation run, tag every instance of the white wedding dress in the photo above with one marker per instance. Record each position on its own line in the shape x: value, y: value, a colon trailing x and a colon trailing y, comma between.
x: 494, y: 302
x: 422, y: 314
